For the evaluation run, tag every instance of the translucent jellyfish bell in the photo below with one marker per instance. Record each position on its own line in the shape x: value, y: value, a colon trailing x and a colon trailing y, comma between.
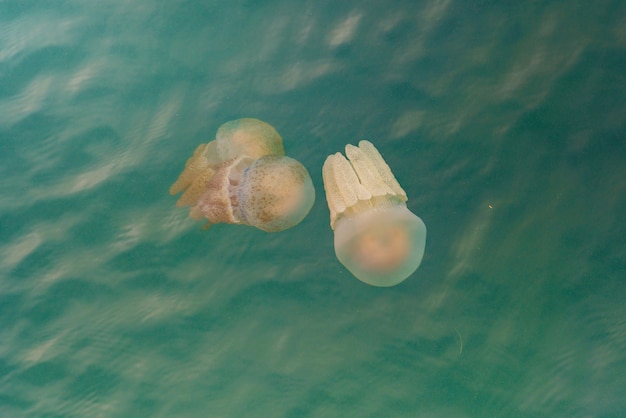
x: 272, y: 193
x: 247, y: 136
x: 377, y: 238
x: 243, y: 177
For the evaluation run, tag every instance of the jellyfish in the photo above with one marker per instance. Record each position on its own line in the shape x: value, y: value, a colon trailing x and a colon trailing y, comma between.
x: 243, y: 177
x: 377, y: 238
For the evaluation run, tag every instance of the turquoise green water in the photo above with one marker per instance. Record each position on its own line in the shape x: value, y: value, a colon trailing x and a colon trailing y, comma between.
x: 503, y: 121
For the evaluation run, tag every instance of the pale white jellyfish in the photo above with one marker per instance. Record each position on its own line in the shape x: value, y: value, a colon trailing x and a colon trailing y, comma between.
x: 377, y: 238
x: 243, y: 177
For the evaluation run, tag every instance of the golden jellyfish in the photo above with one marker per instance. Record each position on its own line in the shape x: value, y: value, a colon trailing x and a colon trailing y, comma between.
x: 377, y: 238
x: 244, y: 177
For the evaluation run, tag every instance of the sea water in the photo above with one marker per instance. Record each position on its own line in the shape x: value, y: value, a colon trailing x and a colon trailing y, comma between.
x: 505, y: 122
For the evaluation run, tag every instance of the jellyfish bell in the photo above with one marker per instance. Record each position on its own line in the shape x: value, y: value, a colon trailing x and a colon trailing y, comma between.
x: 272, y: 193
x: 275, y: 193
x: 377, y: 238
x: 380, y: 245
x: 247, y: 136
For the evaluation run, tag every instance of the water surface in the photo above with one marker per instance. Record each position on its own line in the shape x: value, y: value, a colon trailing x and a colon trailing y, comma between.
x: 503, y: 121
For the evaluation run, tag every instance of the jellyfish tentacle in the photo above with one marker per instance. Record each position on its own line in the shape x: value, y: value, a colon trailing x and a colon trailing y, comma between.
x: 195, y: 165
x: 336, y: 173
x: 382, y: 168
x: 367, y: 171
